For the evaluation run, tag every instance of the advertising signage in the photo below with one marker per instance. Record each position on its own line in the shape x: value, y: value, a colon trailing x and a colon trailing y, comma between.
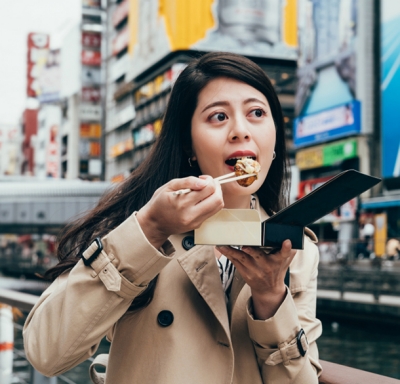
x: 38, y: 49
x: 327, y: 64
x: 49, y: 80
x: 346, y: 212
x: 326, y: 155
x: 340, y: 121
x: 262, y: 28
x: 92, y: 58
x: 91, y: 39
x: 390, y: 86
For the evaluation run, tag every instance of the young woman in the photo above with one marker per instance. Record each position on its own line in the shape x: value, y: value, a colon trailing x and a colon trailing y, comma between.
x: 174, y: 312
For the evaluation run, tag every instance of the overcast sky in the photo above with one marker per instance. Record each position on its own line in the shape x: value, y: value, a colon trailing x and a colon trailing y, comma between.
x: 17, y: 19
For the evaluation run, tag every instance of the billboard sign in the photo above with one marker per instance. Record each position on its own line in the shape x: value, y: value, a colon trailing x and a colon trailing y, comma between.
x: 262, y: 28
x: 92, y: 58
x: 48, y: 149
x: 347, y: 212
x: 90, y: 112
x: 91, y: 75
x: 38, y: 48
x: 390, y: 85
x: 340, y: 121
x: 91, y: 39
x: 326, y: 155
x: 90, y: 94
x: 49, y: 79
x: 327, y: 31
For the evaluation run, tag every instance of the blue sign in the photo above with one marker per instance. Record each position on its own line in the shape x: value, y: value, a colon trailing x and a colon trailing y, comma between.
x: 333, y: 123
x: 390, y: 87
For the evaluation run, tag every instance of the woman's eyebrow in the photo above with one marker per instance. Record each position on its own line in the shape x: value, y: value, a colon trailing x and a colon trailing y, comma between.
x: 226, y: 103
x: 216, y: 104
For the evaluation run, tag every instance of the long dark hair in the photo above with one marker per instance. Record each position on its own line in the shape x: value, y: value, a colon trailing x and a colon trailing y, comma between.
x: 168, y: 159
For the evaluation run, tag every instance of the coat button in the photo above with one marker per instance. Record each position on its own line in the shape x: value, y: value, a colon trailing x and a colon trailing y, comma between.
x: 188, y: 242
x: 165, y: 318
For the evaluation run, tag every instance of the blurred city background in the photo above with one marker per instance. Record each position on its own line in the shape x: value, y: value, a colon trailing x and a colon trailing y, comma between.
x: 85, y: 85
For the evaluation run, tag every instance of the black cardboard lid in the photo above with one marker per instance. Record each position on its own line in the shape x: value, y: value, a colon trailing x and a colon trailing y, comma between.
x: 323, y: 200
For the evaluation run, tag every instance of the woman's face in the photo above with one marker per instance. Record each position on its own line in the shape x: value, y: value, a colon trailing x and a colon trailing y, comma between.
x: 232, y: 120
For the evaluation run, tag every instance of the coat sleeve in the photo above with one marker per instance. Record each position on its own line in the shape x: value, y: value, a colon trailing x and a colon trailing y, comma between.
x: 274, y: 339
x: 72, y: 316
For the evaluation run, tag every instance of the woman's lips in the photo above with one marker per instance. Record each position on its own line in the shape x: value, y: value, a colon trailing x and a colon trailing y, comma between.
x: 242, y: 154
x: 239, y: 155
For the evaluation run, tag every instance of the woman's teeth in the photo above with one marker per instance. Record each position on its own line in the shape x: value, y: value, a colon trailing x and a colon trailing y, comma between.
x: 232, y: 161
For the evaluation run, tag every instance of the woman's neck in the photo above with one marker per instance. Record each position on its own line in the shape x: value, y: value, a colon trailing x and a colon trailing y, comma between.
x: 237, y: 202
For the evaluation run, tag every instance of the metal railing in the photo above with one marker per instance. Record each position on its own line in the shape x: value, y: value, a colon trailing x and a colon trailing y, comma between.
x: 332, y: 373
x: 23, y: 372
x: 374, y: 280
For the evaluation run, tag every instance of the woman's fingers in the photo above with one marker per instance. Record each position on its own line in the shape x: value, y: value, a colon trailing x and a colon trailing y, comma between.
x: 193, y: 183
x: 257, y: 256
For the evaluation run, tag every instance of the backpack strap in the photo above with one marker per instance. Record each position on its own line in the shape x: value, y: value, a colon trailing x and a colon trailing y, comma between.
x: 102, y: 361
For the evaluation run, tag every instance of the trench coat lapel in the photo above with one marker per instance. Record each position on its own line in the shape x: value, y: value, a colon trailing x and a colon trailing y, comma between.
x: 200, y: 265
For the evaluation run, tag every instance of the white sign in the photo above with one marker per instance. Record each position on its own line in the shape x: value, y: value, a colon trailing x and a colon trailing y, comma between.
x: 91, y: 76
x: 95, y: 167
x: 325, y: 121
x: 90, y: 112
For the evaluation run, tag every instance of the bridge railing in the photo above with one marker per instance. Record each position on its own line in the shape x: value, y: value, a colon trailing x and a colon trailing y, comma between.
x: 332, y: 373
x: 353, y: 278
x: 23, y: 372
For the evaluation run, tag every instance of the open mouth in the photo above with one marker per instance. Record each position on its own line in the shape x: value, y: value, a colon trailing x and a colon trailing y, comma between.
x: 232, y: 161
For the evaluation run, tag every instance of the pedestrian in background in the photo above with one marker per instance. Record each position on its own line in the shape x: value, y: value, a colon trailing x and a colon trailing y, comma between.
x: 177, y: 313
x: 393, y: 249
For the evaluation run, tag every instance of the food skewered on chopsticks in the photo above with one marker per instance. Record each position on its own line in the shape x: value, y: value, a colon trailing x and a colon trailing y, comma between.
x: 246, y: 172
x: 247, y: 166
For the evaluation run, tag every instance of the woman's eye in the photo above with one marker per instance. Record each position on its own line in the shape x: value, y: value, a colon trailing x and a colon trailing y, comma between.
x: 220, y: 116
x: 257, y: 112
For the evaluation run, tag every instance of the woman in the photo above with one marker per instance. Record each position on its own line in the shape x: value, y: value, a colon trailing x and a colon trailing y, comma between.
x: 174, y: 312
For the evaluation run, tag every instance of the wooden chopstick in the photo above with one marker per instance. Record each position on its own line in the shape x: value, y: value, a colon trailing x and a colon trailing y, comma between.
x: 222, y: 180
x: 225, y: 176
x: 237, y: 178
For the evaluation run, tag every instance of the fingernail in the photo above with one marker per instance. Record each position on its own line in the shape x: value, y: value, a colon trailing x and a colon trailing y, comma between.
x: 201, y: 182
x: 288, y: 243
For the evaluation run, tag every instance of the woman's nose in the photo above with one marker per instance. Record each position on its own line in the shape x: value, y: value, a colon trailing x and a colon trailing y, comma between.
x: 239, y: 132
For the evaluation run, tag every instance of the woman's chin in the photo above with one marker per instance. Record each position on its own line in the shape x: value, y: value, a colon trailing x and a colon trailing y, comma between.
x: 235, y: 189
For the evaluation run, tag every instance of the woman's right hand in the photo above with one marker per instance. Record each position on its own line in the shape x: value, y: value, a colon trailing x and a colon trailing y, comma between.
x: 166, y: 214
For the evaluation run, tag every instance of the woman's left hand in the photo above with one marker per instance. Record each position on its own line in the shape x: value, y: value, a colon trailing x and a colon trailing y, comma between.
x: 264, y: 273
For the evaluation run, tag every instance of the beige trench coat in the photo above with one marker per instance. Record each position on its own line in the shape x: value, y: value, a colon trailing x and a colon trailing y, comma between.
x: 207, y: 341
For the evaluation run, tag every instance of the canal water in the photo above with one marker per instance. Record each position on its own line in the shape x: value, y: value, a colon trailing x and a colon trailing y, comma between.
x: 369, y: 347
x: 358, y: 344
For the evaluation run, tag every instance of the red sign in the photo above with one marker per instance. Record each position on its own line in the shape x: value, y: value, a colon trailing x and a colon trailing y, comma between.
x: 345, y: 213
x: 91, y: 94
x: 120, y: 13
x: 91, y: 39
x: 91, y: 58
x: 38, y: 48
x: 120, y: 41
x: 307, y: 186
